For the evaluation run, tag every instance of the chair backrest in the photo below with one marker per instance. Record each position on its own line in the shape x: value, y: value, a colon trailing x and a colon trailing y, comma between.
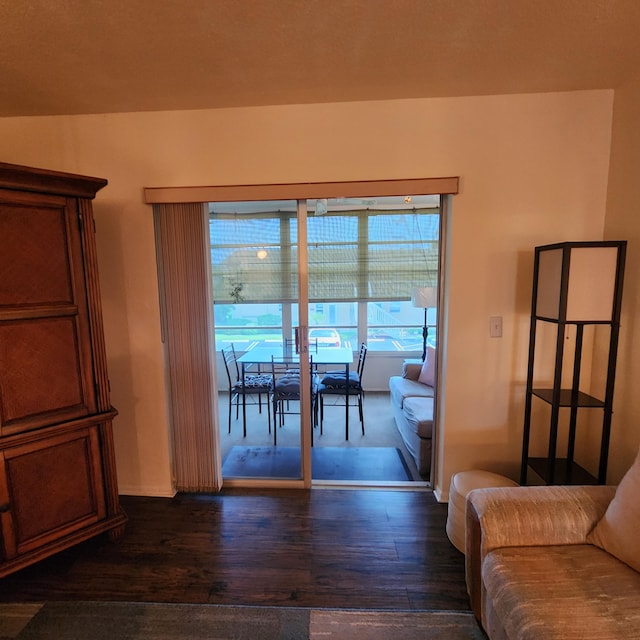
x: 228, y: 359
x: 231, y: 364
x: 284, y: 365
x: 362, y: 356
x: 290, y: 343
x: 289, y: 346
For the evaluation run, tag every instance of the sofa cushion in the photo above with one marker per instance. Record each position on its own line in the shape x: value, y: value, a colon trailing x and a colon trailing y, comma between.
x: 336, y: 380
x: 568, y: 592
x: 418, y: 413
x: 617, y: 530
x: 401, y: 388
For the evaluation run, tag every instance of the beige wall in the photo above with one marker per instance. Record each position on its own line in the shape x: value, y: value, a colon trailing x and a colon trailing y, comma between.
x: 533, y: 170
x: 623, y: 222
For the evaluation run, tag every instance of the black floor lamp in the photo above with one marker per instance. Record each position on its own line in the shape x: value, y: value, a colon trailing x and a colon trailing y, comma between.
x: 424, y: 298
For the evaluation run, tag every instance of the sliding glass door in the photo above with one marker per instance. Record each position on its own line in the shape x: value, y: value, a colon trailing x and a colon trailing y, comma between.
x: 259, y: 284
x: 309, y: 281
x: 366, y: 258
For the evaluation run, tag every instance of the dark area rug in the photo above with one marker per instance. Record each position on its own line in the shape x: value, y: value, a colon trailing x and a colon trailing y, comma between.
x: 359, y: 463
x: 327, y: 463
x: 149, y: 621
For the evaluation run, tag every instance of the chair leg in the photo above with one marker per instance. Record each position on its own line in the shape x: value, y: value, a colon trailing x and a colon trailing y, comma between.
x: 244, y: 415
x: 313, y: 416
x: 361, y: 412
x: 230, y: 402
x: 275, y: 414
x: 268, y: 411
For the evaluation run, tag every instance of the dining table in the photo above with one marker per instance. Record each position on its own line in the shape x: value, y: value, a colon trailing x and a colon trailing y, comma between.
x: 325, y: 356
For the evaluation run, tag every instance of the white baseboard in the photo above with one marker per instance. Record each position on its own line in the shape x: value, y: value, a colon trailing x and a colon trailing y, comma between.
x: 147, y: 492
x: 440, y: 495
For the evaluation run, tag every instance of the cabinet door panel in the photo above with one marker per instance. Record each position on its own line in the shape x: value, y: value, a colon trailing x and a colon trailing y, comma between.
x: 46, y: 364
x: 54, y: 487
x: 41, y: 373
x: 35, y: 262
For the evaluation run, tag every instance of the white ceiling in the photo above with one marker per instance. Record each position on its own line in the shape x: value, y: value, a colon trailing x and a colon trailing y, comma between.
x: 100, y: 56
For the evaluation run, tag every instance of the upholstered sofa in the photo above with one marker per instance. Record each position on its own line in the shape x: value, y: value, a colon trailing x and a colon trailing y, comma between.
x: 412, y: 406
x: 559, y: 562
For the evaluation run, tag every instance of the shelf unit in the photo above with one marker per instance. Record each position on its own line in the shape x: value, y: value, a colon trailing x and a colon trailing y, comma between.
x: 574, y: 284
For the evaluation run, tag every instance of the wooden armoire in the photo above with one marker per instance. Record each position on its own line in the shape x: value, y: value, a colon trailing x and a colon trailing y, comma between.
x: 58, y: 481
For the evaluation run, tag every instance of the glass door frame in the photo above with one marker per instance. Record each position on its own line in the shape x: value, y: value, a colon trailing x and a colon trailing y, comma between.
x: 298, y: 232
x: 303, y: 332
x: 158, y: 196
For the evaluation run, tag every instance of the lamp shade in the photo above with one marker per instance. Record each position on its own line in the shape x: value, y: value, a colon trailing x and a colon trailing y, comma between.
x: 579, y: 277
x: 424, y: 297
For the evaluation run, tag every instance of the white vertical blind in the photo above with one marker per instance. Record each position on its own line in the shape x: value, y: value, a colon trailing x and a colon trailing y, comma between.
x: 183, y: 272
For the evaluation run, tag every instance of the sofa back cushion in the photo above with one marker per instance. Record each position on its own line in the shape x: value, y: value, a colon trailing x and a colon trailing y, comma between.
x: 428, y: 372
x: 617, y: 531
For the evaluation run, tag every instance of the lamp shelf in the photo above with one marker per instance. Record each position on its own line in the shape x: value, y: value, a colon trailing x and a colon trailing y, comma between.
x: 573, y: 322
x: 566, y: 398
x: 564, y: 471
x: 578, y: 284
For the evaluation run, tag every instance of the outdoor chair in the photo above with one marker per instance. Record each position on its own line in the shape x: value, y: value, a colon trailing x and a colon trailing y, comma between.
x: 285, y: 388
x: 334, y: 383
x: 248, y: 390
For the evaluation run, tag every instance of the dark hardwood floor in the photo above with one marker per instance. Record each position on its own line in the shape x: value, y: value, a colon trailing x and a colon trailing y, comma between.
x: 369, y: 549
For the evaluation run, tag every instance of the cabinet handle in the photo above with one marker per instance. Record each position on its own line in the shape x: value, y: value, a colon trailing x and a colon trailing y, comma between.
x: 5, y: 507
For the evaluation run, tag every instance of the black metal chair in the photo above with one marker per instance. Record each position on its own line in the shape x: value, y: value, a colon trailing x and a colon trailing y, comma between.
x: 249, y: 391
x: 334, y: 383
x: 285, y: 388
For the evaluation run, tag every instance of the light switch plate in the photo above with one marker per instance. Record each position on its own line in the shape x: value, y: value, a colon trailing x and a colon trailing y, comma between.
x: 495, y: 326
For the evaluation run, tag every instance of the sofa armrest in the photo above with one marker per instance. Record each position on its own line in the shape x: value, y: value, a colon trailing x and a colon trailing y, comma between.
x: 527, y: 516
x: 532, y: 516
